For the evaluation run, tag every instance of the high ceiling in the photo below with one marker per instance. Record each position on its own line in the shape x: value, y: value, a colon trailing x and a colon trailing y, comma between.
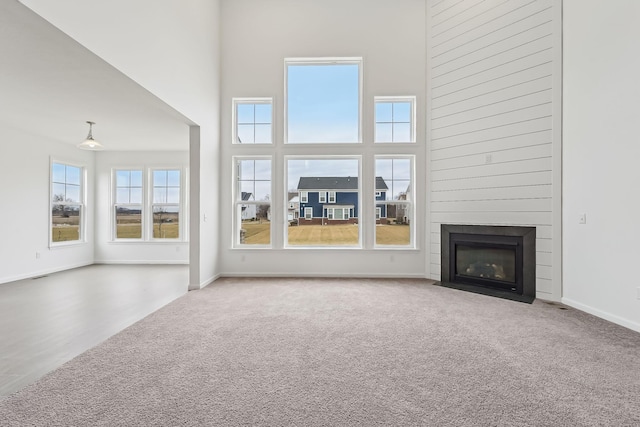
x: 50, y: 85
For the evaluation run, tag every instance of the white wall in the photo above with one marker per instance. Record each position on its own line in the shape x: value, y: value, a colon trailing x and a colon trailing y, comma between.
x: 601, y: 100
x: 494, y: 128
x: 257, y: 36
x: 24, y: 217
x: 108, y: 251
x: 170, y: 48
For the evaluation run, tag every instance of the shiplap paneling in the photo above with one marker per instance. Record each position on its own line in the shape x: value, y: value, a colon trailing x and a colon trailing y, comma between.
x: 491, y: 121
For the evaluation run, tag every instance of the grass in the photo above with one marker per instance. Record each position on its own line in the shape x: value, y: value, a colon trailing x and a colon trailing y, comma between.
x: 328, y: 235
x: 324, y: 235
x: 129, y: 231
x: 168, y: 231
x: 65, y: 233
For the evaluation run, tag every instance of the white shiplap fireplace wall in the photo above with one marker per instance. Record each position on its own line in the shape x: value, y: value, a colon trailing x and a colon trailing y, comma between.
x: 494, y: 116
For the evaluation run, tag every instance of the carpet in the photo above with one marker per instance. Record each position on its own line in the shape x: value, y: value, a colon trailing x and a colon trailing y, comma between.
x: 329, y: 352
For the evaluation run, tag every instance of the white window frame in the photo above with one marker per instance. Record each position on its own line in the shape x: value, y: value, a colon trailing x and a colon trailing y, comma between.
x: 254, y: 101
x: 323, y: 61
x: 237, y: 203
x: 180, y: 205
x: 81, y: 205
x: 378, y: 213
x: 409, y: 202
x: 282, y: 149
x: 115, y: 205
x: 345, y: 215
x: 322, y: 197
x: 310, y: 211
x: 316, y: 156
x: 412, y: 117
x: 332, y: 197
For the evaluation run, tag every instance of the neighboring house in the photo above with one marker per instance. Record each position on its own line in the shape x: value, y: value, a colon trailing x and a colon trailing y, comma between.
x: 248, y: 210
x: 403, y: 213
x: 293, y: 207
x: 334, y: 200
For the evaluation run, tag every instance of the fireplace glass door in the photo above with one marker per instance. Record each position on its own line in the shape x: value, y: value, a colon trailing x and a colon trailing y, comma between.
x: 486, y: 263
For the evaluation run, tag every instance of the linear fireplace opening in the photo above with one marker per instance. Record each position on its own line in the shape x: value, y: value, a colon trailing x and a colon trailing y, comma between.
x: 493, y: 260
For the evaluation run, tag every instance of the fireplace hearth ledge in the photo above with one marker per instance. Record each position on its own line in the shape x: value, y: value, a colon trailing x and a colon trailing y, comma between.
x: 488, y: 291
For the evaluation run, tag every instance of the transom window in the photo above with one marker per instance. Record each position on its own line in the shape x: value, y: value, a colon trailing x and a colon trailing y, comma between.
x: 323, y: 100
x: 253, y: 119
x: 395, y: 119
x: 67, y: 203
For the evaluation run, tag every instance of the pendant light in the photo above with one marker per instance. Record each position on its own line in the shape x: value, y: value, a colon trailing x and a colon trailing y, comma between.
x: 90, y: 143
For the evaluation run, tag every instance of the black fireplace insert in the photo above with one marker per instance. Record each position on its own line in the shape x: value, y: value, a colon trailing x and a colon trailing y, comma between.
x: 492, y: 260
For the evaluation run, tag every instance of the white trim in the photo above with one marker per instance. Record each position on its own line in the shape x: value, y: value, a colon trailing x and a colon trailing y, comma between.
x: 234, y: 125
x: 180, y: 204
x: 409, y: 201
x: 322, y: 197
x: 83, y: 211
x: 236, y: 202
x: 602, y: 314
x: 305, y: 198
x: 143, y: 262
x: 114, y: 204
x: 356, y: 60
x: 332, y: 276
x: 335, y: 194
x: 305, y: 213
x: 411, y: 99
x: 204, y: 283
x: 44, y: 272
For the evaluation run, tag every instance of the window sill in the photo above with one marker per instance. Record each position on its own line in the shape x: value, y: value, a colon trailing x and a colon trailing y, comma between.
x: 68, y: 244
x: 146, y: 242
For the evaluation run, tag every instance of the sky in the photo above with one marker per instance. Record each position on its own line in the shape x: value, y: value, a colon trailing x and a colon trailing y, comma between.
x: 323, y: 103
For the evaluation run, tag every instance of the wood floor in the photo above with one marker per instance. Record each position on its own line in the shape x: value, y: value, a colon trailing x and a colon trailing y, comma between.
x: 45, y: 322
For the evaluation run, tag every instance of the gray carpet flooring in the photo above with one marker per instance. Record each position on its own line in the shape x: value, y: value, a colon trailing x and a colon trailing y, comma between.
x: 345, y: 352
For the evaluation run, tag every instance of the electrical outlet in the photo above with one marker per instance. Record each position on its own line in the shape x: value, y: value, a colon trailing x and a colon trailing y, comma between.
x: 37, y: 255
x: 582, y: 219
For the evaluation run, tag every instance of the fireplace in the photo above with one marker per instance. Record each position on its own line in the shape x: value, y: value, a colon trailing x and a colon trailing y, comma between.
x: 492, y: 260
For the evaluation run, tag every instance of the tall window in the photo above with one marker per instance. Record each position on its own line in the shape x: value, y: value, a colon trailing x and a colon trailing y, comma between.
x: 326, y: 220
x: 253, y: 118
x: 394, y: 200
x: 323, y: 100
x: 253, y: 201
x: 128, y: 204
x: 67, y: 202
x: 324, y: 164
x: 395, y: 119
x: 166, y: 204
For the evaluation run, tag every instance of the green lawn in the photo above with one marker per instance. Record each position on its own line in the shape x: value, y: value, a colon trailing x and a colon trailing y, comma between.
x: 327, y: 235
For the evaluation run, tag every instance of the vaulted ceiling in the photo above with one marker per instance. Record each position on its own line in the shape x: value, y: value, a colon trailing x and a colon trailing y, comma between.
x: 50, y: 85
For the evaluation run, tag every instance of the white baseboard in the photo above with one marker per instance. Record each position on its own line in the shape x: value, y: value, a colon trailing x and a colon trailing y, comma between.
x: 602, y: 314
x: 44, y: 272
x: 198, y: 286
x: 329, y: 276
x: 142, y: 262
